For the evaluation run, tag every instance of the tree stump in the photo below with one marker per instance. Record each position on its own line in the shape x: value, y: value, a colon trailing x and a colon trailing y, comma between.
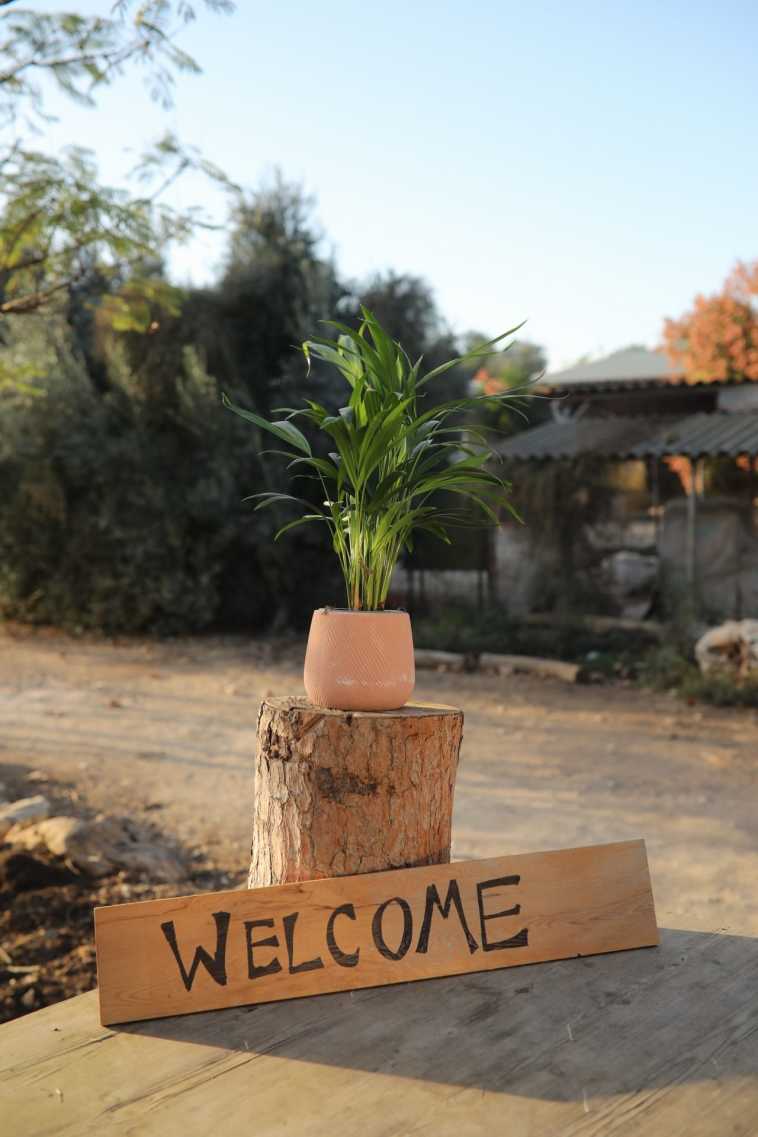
x: 342, y: 792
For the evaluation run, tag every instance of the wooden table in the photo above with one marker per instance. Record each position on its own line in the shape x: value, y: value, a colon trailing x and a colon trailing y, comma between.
x: 661, y: 1042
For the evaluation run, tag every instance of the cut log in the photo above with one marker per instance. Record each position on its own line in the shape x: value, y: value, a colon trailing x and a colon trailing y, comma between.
x: 431, y: 660
x: 340, y: 792
x: 530, y: 665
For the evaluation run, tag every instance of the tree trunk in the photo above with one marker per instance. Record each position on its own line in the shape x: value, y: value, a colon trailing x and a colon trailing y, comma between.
x: 340, y: 792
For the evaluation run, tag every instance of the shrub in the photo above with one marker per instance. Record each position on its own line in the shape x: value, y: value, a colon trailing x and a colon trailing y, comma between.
x: 665, y: 668
x: 460, y: 629
x: 720, y: 690
x: 123, y: 511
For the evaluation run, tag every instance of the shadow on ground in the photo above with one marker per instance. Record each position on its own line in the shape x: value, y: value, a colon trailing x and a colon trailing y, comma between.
x: 606, y: 1025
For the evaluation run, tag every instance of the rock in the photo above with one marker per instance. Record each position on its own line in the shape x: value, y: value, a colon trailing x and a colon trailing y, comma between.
x: 25, y: 811
x: 37, y: 776
x: 731, y: 647
x: 25, y: 872
x: 104, y: 846
x: 29, y: 999
x: 52, y: 834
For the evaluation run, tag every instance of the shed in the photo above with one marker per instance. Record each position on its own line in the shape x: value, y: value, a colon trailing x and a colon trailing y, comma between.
x: 630, y: 406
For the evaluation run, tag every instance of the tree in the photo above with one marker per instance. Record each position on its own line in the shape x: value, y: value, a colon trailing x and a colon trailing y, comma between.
x: 55, y: 216
x: 515, y: 369
x: 717, y: 340
x: 83, y: 53
x: 512, y: 369
x: 275, y: 289
x: 405, y: 305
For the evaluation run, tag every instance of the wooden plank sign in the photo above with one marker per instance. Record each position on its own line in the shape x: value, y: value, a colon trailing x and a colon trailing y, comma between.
x: 225, y: 949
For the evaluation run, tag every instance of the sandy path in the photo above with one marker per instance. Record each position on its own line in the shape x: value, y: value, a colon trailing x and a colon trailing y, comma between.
x: 169, y: 728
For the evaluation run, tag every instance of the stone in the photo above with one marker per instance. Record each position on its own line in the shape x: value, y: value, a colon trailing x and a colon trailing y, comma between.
x: 103, y: 846
x: 731, y: 648
x: 25, y: 811
x: 52, y: 834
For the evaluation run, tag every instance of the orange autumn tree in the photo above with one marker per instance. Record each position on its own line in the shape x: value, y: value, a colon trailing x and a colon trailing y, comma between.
x: 717, y: 340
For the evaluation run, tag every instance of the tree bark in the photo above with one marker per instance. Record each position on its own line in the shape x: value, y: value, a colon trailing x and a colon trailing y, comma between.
x: 340, y: 792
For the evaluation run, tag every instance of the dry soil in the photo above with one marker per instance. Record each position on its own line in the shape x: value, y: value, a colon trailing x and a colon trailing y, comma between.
x: 168, y: 730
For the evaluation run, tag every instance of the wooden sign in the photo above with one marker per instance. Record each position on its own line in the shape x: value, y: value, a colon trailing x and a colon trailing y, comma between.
x: 225, y: 949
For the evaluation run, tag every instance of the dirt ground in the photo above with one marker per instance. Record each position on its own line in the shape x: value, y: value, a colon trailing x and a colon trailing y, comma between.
x: 168, y: 730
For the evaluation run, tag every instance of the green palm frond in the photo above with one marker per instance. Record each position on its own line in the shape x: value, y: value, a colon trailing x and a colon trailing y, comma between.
x: 389, y: 457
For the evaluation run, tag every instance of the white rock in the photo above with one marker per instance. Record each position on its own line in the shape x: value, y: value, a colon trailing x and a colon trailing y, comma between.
x: 732, y: 646
x: 52, y: 834
x: 25, y: 811
x: 103, y: 846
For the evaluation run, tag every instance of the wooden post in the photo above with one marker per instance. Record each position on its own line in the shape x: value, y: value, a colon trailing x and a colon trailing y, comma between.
x: 339, y: 792
x: 692, y: 524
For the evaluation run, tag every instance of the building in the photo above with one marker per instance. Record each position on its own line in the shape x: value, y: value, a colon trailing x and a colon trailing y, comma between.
x: 679, y: 460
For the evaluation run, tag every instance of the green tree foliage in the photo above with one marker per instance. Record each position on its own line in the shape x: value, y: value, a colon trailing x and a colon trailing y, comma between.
x: 406, y: 307
x: 83, y: 53
x: 55, y: 215
x: 514, y: 371
x: 121, y: 480
x: 275, y: 287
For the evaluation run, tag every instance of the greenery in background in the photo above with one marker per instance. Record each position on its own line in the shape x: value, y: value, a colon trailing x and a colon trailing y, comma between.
x: 669, y: 669
x: 515, y: 369
x: 600, y: 653
x: 564, y: 499
x: 57, y: 220
x: 720, y: 690
x: 393, y: 456
x: 120, y: 482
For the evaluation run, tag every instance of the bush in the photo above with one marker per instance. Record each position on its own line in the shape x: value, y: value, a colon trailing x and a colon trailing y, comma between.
x: 668, y: 669
x: 123, y: 512
x: 720, y: 690
x: 665, y: 668
x: 461, y: 628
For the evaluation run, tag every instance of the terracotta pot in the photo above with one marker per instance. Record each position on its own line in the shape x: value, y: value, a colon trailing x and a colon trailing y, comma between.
x: 359, y: 661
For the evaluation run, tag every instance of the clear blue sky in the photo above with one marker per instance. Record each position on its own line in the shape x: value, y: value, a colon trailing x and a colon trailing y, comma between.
x: 590, y: 166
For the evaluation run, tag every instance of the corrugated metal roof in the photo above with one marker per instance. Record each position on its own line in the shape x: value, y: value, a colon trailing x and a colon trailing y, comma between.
x: 704, y: 435
x: 631, y: 366
x: 695, y: 436
x: 613, y: 437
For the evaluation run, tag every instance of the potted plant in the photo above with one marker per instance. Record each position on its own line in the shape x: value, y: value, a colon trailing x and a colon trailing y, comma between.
x: 388, y: 455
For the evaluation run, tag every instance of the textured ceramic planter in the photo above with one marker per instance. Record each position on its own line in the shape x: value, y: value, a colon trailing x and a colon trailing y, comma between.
x: 359, y: 661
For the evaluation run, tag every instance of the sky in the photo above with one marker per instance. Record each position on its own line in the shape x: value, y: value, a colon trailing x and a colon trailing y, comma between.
x: 588, y: 167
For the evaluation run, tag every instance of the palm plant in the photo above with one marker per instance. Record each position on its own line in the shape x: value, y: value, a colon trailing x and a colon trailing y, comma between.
x: 391, y: 457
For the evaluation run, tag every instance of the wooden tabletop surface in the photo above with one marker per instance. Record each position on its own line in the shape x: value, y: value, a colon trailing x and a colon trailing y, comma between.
x: 659, y: 1041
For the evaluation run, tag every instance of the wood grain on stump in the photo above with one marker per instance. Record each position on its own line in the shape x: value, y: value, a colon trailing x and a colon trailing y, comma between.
x: 342, y: 792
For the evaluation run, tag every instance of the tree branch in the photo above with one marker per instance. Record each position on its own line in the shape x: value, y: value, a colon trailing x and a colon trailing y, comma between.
x: 22, y: 305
